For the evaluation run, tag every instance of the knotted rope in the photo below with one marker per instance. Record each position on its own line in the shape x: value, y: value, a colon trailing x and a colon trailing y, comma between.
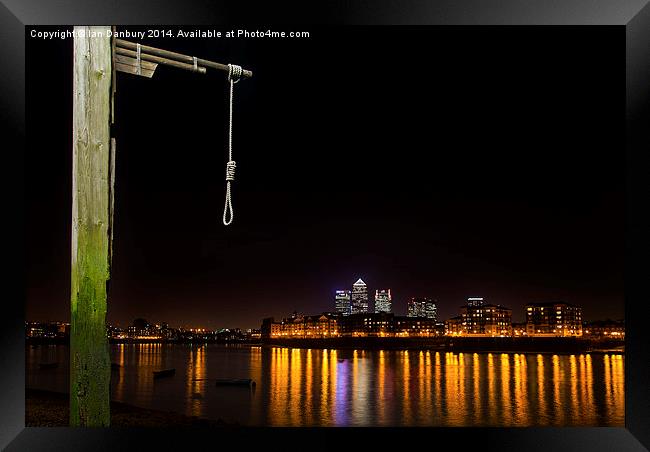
x: 234, y: 74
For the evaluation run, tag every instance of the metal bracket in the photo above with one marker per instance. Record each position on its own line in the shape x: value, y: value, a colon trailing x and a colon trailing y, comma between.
x: 139, y: 67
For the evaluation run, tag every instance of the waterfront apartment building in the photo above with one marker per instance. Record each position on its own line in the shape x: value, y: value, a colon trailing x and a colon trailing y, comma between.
x: 302, y: 327
x: 383, y: 301
x: 415, y: 327
x: 342, y: 302
x: 454, y: 326
x: 481, y: 319
x: 604, y: 329
x: 328, y: 325
x: 553, y: 319
x: 422, y: 307
x: 270, y: 328
x: 385, y: 324
x: 368, y: 324
x: 359, y: 298
x: 519, y: 329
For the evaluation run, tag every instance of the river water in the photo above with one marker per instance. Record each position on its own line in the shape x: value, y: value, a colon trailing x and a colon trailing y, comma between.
x: 310, y: 387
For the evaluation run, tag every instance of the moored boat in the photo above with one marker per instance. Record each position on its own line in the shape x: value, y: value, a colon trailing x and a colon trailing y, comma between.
x: 163, y: 373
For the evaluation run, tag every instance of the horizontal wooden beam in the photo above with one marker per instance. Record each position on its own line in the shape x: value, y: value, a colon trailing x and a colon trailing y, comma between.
x: 156, y: 59
x: 127, y: 64
x: 176, y: 57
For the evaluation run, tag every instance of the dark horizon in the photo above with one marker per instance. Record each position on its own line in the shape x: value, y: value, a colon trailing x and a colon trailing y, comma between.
x: 477, y: 164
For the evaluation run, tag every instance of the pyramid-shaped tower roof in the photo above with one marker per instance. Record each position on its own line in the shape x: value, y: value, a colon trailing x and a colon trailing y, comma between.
x: 359, y: 282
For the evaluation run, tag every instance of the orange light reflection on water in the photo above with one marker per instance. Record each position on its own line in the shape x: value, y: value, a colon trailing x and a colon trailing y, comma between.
x: 427, y: 388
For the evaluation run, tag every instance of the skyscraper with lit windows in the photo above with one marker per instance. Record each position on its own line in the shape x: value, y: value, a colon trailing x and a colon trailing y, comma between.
x: 359, y: 297
x: 422, y: 307
x: 383, y: 301
x: 431, y: 310
x: 342, y: 301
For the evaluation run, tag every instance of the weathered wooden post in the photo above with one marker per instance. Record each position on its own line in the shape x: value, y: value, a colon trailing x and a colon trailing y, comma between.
x: 90, y: 368
x: 97, y: 58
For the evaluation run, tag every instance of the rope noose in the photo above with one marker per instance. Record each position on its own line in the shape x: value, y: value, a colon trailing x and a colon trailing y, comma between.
x: 234, y: 74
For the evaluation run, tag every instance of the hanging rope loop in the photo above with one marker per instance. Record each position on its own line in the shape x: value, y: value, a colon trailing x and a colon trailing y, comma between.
x: 227, y: 210
x: 234, y: 75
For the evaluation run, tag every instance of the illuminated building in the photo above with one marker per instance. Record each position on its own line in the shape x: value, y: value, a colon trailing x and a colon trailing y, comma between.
x: 368, y: 324
x: 381, y: 324
x: 47, y: 329
x: 553, y: 319
x: 431, y: 310
x: 115, y: 332
x: 422, y: 307
x: 342, y: 302
x: 253, y: 333
x: 475, y: 301
x: 359, y: 295
x: 604, y: 329
x: 415, y: 308
x: 35, y: 330
x: 415, y: 326
x: 383, y: 301
x: 302, y: 327
x: 481, y: 319
x: 141, y: 329
x: 519, y: 329
x: 454, y: 326
x: 276, y: 330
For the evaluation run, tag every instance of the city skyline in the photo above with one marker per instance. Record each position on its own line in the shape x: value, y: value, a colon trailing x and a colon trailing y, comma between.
x: 398, y: 305
x: 477, y: 318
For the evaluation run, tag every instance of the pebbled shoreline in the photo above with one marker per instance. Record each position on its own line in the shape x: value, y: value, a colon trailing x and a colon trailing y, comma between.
x: 51, y: 409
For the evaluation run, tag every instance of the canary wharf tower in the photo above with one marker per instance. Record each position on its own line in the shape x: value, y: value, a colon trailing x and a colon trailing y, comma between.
x: 359, y: 297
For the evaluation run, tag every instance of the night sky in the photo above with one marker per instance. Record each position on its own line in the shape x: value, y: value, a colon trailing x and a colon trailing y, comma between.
x: 440, y: 162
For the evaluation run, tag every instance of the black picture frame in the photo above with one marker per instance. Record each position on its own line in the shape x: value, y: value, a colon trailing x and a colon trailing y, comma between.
x: 632, y: 16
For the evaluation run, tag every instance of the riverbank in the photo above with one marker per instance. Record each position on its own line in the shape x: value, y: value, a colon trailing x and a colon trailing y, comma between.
x: 557, y: 345
x: 36, y: 341
x: 51, y: 409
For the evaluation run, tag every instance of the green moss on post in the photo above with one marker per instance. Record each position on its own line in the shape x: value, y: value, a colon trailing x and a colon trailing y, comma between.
x: 90, y: 368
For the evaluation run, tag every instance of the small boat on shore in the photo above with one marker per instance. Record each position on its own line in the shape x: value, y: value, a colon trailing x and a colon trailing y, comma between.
x: 235, y: 382
x: 164, y: 373
x: 48, y: 365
